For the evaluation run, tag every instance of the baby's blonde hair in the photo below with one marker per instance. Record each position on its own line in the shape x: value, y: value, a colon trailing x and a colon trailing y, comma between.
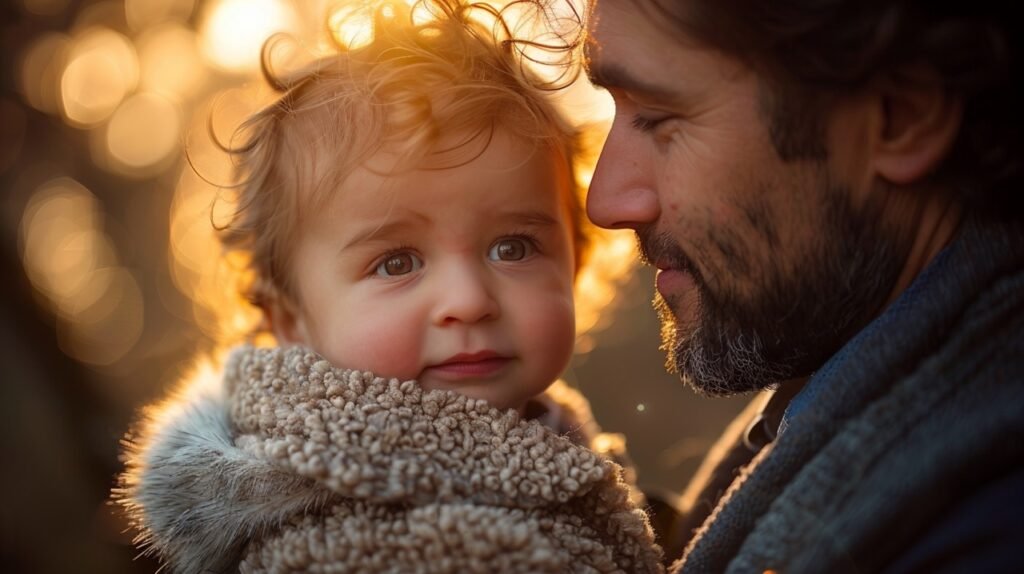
x: 416, y: 81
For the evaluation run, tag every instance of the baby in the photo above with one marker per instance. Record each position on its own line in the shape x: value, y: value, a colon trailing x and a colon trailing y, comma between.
x: 410, y: 211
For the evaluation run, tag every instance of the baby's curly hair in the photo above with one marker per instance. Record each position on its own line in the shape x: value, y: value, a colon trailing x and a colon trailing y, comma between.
x: 437, y: 68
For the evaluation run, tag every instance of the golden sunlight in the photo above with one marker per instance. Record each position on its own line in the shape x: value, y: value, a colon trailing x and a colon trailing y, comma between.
x: 611, y: 260
x: 233, y: 31
x: 351, y: 24
x: 210, y: 281
x: 352, y: 27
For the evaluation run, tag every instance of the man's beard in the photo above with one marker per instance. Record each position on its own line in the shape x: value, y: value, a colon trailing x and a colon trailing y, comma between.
x: 795, y: 320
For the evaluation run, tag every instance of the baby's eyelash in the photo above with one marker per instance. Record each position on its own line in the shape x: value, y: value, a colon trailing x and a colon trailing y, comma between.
x: 402, y: 248
x: 527, y: 236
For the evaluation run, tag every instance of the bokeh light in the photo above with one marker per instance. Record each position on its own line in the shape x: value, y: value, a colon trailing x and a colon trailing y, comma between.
x: 170, y: 61
x: 351, y: 26
x: 45, y: 7
x: 63, y: 244
x: 102, y: 69
x: 72, y: 262
x: 143, y: 132
x: 100, y: 14
x: 104, y: 332
x: 141, y: 14
x: 41, y: 67
x: 233, y: 31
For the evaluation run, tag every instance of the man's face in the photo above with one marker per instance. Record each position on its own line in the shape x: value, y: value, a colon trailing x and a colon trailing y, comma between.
x: 766, y: 266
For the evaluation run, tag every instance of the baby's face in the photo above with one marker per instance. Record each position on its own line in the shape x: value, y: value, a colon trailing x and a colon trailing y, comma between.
x: 460, y: 278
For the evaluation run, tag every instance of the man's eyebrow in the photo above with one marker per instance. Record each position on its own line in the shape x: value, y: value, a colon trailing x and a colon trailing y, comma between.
x: 615, y: 76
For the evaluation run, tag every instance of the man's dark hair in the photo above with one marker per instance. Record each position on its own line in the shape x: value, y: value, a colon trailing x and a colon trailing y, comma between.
x: 811, y: 50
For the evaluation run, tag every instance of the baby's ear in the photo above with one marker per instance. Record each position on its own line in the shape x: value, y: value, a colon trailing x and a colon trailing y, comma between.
x: 285, y: 322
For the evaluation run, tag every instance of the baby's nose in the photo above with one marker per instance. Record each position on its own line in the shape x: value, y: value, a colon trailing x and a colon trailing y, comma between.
x: 464, y: 296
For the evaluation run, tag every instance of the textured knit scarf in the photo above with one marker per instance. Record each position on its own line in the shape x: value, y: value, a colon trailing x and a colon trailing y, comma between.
x: 292, y: 465
x: 921, y: 408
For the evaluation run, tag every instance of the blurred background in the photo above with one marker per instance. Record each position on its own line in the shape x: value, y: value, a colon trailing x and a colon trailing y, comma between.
x: 113, y: 285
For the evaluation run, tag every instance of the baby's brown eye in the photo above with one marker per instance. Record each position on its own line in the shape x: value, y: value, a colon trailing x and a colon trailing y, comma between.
x: 399, y: 264
x: 511, y: 249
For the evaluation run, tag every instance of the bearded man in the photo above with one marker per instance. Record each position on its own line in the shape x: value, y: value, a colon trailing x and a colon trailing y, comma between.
x: 831, y: 195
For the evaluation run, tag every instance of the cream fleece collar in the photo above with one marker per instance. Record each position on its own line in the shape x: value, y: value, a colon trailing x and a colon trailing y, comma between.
x: 286, y: 434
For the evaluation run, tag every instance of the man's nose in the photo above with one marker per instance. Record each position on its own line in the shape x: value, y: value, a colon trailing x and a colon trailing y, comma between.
x: 464, y: 295
x: 622, y: 193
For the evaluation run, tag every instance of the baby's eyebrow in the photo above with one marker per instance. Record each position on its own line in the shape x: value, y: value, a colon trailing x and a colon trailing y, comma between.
x: 382, y: 229
x: 530, y: 218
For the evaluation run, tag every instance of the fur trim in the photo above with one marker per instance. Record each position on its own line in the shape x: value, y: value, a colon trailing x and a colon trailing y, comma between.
x: 197, y: 499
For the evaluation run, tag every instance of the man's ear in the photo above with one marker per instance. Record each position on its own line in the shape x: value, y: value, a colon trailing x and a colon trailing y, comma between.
x: 285, y: 322
x: 920, y: 121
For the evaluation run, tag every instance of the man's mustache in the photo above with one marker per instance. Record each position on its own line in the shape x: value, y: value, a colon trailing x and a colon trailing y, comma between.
x: 661, y: 250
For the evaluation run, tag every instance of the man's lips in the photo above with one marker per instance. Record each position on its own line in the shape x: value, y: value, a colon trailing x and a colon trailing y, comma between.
x: 665, y: 265
x: 478, y: 364
x: 672, y: 282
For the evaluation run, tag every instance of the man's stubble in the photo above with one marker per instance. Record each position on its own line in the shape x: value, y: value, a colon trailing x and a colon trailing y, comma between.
x: 799, y: 313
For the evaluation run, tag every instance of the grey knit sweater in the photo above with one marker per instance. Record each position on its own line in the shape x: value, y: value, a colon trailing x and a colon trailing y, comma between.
x: 291, y: 465
x: 920, y: 410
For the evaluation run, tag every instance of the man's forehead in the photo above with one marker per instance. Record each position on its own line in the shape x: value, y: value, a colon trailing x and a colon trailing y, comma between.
x: 637, y: 21
x: 627, y: 49
x: 616, y: 53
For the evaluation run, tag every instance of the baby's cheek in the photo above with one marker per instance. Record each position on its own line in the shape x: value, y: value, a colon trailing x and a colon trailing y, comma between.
x: 384, y: 350
x: 550, y: 330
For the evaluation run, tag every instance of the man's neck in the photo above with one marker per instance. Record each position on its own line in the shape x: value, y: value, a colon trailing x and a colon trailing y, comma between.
x: 936, y: 224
